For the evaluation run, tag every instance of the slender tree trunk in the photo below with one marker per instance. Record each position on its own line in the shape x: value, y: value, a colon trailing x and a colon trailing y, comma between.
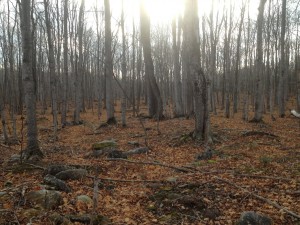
x: 79, y: 73
x: 124, y: 68
x: 51, y: 61
x: 176, y: 69
x: 65, y: 75
x: 259, y: 64
x: 237, y: 63
x: 108, y: 66
x: 282, y: 75
x: 133, y: 69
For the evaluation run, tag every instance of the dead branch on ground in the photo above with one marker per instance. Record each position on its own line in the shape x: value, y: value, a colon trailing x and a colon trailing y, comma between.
x: 152, y: 163
x: 275, y: 204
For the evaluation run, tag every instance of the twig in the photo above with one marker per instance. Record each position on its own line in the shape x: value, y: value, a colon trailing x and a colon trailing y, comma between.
x: 275, y: 204
x: 137, y: 181
x: 129, y: 181
x: 151, y: 163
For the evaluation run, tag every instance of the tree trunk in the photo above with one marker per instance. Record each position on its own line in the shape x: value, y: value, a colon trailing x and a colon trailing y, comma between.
x: 51, y: 68
x: 79, y: 73
x: 282, y: 75
x: 32, y: 148
x: 124, y: 69
x: 259, y: 64
x: 237, y: 63
x: 108, y: 66
x: 155, y: 105
x: 65, y: 75
x: 176, y: 69
x: 191, y: 31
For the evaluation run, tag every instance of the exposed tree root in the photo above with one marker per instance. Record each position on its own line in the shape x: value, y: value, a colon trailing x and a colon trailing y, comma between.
x: 262, y: 177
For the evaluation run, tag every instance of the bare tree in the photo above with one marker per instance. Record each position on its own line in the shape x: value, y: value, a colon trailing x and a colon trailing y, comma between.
x: 79, y: 72
x: 124, y: 68
x: 32, y: 148
x: 176, y: 68
x: 282, y: 75
x: 237, y: 63
x: 155, y: 106
x: 108, y: 66
x: 51, y: 67
x: 65, y: 74
x: 192, y: 39
x: 259, y: 64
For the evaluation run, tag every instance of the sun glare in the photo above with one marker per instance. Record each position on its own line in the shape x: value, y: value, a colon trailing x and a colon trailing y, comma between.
x: 163, y: 11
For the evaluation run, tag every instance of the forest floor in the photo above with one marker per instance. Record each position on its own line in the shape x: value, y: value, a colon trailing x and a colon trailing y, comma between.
x: 254, y: 167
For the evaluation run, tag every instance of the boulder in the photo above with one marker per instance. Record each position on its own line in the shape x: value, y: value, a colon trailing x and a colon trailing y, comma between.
x: 104, y: 144
x: 45, y: 198
x: 55, y: 169
x: 72, y: 174
x: 253, y: 218
x: 116, y: 154
x: 58, y: 184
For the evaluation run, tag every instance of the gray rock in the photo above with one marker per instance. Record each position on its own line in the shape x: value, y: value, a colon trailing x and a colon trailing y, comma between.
x: 55, y: 169
x: 72, y: 174
x: 58, y: 184
x: 58, y: 219
x: 45, y: 198
x: 116, y: 154
x: 85, y: 199
x: 253, y: 218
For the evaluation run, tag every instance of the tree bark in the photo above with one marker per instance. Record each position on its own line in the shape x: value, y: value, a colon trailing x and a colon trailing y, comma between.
x: 155, y: 105
x: 51, y: 61
x: 79, y: 73
x: 282, y: 75
x: 108, y: 66
x: 124, y: 68
x: 259, y: 64
x: 65, y: 75
x: 176, y: 69
x: 192, y: 45
x: 32, y: 148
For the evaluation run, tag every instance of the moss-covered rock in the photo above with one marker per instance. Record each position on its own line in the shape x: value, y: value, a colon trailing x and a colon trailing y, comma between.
x: 104, y: 144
